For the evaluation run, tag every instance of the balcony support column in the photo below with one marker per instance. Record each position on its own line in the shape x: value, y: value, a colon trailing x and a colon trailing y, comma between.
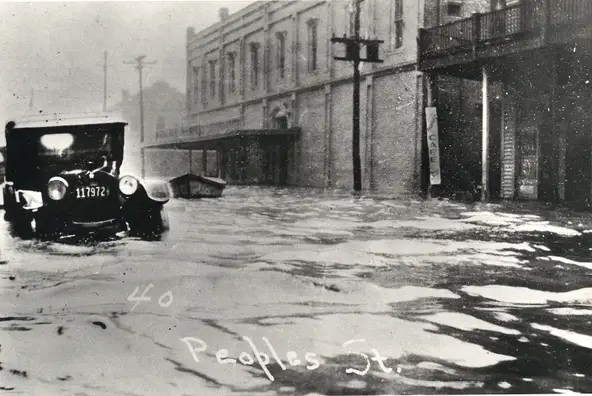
x: 204, y: 162
x: 190, y: 161
x: 222, y: 161
x: 485, y: 134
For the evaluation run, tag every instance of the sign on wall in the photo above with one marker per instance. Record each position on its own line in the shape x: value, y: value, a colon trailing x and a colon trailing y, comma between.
x: 528, y: 147
x: 433, y: 145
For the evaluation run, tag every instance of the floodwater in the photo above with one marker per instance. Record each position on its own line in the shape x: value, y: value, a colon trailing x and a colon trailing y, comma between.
x: 297, y: 291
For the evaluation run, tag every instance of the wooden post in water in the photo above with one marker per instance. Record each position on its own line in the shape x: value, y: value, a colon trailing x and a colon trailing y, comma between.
x: 190, y: 160
x: 204, y: 162
x: 485, y: 135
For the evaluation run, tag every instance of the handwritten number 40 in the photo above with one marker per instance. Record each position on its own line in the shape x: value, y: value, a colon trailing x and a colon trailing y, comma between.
x: 165, y: 300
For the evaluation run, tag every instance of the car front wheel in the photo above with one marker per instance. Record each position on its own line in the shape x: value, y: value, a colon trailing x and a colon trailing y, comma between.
x: 25, y: 225
x: 150, y: 225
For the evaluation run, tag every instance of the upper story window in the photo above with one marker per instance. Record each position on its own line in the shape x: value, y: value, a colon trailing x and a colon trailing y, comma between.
x: 254, y: 55
x: 212, y: 64
x: 313, y: 44
x: 231, y: 71
x: 350, y: 15
x: 350, y: 18
x: 397, y: 24
x: 281, y: 54
x: 454, y: 9
x: 195, y: 84
x: 204, y: 85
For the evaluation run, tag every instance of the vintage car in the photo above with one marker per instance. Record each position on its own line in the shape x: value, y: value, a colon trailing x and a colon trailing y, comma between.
x: 63, y: 178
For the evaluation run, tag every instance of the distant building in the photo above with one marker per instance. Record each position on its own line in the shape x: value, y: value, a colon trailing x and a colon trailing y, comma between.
x: 164, y: 107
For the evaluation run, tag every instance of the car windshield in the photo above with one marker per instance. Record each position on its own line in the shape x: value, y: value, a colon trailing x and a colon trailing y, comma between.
x: 74, y: 146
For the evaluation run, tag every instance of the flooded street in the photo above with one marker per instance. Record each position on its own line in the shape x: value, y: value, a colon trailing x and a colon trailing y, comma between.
x: 277, y: 291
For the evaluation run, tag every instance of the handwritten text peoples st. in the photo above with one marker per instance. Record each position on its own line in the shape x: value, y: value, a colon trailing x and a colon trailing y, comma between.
x: 311, y: 361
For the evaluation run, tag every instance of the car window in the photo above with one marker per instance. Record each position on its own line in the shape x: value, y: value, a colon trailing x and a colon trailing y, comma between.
x: 70, y: 146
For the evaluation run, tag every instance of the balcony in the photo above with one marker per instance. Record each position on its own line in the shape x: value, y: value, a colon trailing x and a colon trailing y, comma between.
x: 532, y: 24
x: 205, y: 130
x: 217, y: 135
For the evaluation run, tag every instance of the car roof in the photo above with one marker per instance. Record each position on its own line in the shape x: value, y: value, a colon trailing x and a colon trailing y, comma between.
x: 59, y: 120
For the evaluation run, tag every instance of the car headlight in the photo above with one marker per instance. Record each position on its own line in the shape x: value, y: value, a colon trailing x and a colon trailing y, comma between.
x: 128, y: 185
x: 56, y: 188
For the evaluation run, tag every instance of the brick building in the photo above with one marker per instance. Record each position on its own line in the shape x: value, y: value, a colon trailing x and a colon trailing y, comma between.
x: 265, y: 92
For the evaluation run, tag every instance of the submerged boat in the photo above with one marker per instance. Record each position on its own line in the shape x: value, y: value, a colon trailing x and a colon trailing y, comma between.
x: 194, y: 186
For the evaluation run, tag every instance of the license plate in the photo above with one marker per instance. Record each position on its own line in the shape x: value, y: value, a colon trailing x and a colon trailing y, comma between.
x: 92, y: 192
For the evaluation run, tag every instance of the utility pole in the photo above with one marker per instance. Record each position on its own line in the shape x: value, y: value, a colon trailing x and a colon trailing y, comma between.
x: 105, y: 66
x: 356, y: 103
x: 352, y: 49
x: 140, y: 63
x: 105, y: 83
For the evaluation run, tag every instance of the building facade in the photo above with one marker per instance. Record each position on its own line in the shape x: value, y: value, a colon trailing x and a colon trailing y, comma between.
x: 528, y: 65
x: 268, y: 102
x: 264, y: 91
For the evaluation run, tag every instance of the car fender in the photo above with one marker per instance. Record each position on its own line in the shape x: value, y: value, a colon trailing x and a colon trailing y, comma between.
x: 156, y: 190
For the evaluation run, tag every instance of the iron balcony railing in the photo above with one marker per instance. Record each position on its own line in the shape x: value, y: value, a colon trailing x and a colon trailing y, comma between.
x: 529, y: 17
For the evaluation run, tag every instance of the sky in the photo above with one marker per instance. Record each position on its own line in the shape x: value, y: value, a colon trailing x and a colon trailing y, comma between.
x: 52, y: 53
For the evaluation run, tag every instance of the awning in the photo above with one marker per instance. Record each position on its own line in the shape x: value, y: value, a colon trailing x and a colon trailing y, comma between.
x: 227, y: 139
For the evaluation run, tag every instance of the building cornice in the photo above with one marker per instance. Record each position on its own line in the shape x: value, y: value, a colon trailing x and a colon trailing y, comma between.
x: 193, y: 41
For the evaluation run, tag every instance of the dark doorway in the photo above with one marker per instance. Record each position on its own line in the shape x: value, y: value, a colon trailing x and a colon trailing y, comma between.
x: 275, y: 164
x: 269, y: 164
x: 578, y: 164
x: 495, y: 150
x: 548, y: 164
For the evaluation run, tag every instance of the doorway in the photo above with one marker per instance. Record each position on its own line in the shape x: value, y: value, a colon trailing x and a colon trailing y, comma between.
x: 275, y: 163
x: 494, y: 175
x: 578, y: 163
x: 548, y: 164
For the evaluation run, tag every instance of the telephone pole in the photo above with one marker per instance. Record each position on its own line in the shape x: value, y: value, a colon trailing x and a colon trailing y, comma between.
x: 356, y: 101
x: 105, y: 66
x: 140, y: 63
x: 105, y: 83
x: 352, y: 51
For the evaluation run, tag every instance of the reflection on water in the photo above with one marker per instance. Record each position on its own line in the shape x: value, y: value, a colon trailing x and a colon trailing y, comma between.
x: 419, y: 296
